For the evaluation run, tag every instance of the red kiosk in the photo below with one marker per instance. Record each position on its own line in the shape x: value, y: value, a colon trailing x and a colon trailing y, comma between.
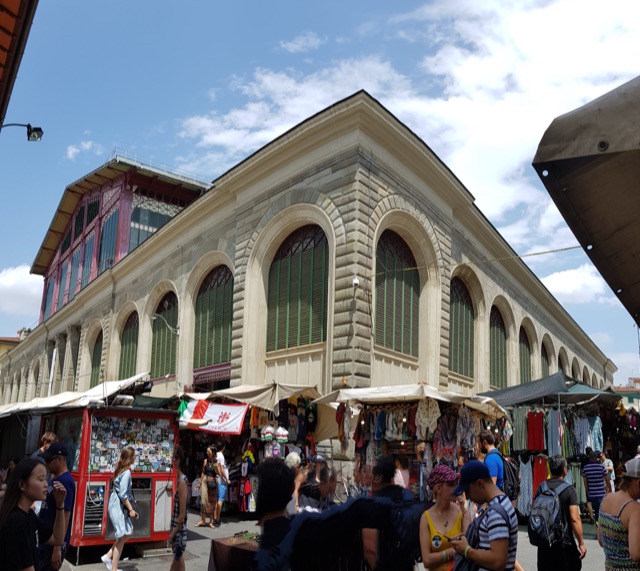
x: 94, y: 437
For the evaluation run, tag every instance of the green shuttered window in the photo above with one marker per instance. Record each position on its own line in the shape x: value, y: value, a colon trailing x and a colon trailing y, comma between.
x: 297, y: 290
x: 129, y: 347
x: 397, y: 295
x: 165, y: 342
x: 108, y: 242
x: 498, y: 349
x: 525, y: 357
x: 544, y: 356
x: 214, y: 314
x: 461, y: 330
x: 96, y: 360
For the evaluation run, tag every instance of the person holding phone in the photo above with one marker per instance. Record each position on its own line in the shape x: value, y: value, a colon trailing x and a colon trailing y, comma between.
x: 442, y: 521
x: 121, y: 509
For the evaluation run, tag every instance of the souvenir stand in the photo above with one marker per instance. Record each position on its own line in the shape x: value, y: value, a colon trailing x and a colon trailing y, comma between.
x: 395, y: 419
x: 276, y: 418
x: 95, y: 425
x: 555, y: 415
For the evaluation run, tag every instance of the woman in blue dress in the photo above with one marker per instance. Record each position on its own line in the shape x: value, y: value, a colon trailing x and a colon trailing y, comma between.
x: 121, y: 508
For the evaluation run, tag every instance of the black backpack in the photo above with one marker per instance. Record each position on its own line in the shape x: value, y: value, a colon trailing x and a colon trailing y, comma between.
x: 511, y: 470
x: 546, y: 526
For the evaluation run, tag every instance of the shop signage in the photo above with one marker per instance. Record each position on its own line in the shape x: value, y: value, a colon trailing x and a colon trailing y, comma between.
x: 213, y: 417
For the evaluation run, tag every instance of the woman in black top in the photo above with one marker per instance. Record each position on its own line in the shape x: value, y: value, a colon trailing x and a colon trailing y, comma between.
x: 20, y: 528
x: 209, y: 487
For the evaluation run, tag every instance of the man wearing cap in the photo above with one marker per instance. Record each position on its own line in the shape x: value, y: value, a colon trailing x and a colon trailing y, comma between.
x: 497, y: 523
x: 596, y: 482
x: 55, y: 456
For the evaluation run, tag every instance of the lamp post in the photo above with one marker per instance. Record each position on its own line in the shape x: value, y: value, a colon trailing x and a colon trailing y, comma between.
x: 174, y: 330
x: 33, y: 133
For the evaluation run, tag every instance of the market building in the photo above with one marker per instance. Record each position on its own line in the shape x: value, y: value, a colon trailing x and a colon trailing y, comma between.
x: 343, y: 253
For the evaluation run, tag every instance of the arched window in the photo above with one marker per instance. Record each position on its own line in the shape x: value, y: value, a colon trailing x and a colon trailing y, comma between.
x: 96, y: 360
x: 498, y: 349
x: 525, y: 357
x: 461, y: 330
x: 561, y: 366
x: 129, y: 347
x: 397, y: 295
x: 585, y: 376
x: 165, y: 337
x: 214, y: 313
x: 297, y: 290
x: 544, y: 357
x: 575, y: 371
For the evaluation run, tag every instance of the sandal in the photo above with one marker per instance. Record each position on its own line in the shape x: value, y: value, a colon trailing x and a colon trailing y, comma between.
x: 211, y: 524
x: 200, y: 524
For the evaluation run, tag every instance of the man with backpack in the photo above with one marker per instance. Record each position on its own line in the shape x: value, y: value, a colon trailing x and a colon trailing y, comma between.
x: 555, y: 521
x: 493, y: 458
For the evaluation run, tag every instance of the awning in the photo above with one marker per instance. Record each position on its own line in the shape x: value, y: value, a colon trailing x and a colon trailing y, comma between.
x: 409, y: 393
x: 557, y: 388
x: 589, y: 162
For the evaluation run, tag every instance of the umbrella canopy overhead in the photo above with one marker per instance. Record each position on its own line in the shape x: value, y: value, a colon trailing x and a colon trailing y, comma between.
x: 553, y: 389
x: 265, y: 396
x: 589, y: 162
x: 409, y: 393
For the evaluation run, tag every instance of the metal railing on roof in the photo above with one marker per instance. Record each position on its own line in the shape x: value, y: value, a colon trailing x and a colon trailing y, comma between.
x: 119, y: 153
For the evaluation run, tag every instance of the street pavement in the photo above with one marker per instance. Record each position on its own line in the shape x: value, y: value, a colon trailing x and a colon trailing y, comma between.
x: 199, y: 546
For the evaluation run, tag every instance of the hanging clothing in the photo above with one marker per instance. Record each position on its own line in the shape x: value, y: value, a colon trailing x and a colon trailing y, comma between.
x: 519, y: 417
x: 554, y: 432
x: 595, y: 425
x: 465, y: 434
x: 578, y: 482
x: 583, y: 433
x: 526, y: 488
x: 539, y: 471
x: 535, y: 431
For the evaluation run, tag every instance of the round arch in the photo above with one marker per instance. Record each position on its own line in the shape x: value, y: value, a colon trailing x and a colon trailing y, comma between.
x: 266, y: 241
x: 563, y: 361
x: 547, y: 343
x: 471, y: 280
x: 586, y: 378
x: 594, y: 381
x: 575, y: 370
x: 93, y: 329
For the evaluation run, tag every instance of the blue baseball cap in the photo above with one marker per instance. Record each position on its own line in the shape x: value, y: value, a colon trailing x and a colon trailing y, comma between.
x: 471, y: 472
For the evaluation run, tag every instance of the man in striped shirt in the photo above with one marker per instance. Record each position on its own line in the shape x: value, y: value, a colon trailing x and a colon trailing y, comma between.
x: 596, y: 481
x: 497, y: 524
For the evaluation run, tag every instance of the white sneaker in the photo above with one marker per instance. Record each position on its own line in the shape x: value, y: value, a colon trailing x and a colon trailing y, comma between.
x: 107, y: 562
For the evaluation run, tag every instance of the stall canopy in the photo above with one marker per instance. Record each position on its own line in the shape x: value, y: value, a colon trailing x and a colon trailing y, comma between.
x: 97, y: 395
x: 556, y: 388
x: 404, y: 393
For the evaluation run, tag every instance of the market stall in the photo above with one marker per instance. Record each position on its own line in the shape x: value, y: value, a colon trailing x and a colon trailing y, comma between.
x: 271, y: 420
x: 556, y: 415
x: 395, y: 419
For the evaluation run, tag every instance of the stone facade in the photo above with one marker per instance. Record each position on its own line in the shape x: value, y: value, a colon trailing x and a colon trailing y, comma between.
x: 355, y: 171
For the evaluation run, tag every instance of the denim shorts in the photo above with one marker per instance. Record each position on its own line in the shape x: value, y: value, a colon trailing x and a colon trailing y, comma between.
x: 222, y: 491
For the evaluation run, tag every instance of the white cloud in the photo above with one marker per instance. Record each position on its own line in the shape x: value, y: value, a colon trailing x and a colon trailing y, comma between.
x: 303, y: 43
x: 84, y: 147
x: 579, y: 285
x: 628, y: 366
x: 20, y: 292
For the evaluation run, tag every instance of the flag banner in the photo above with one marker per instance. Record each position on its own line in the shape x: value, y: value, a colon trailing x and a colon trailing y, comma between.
x: 213, y: 417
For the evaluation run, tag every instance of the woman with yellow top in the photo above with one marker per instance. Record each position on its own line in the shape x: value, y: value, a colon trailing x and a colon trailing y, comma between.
x: 444, y: 520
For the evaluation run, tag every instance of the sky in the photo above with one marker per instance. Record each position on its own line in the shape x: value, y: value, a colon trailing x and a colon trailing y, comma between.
x: 197, y: 86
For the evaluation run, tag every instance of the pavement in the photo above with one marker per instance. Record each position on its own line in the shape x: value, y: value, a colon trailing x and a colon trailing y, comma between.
x: 199, y: 546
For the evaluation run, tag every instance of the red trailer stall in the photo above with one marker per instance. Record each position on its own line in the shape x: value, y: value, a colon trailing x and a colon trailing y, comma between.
x: 94, y: 439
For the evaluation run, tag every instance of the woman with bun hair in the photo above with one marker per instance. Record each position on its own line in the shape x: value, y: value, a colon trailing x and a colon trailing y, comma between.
x: 20, y: 528
x: 121, y: 507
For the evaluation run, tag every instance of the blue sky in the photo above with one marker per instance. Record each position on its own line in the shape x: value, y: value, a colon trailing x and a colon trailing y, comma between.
x: 197, y: 86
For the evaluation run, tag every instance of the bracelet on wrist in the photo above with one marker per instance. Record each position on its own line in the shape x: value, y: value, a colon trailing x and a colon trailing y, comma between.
x: 60, y: 509
x: 466, y: 551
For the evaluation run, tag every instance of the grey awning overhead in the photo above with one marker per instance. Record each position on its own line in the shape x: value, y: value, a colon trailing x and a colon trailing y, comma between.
x: 589, y: 161
x: 557, y: 388
x: 535, y: 391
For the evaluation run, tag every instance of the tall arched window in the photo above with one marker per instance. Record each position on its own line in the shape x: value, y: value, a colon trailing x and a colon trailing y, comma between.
x: 96, y: 360
x: 214, y: 313
x: 397, y: 295
x: 297, y: 290
x: 165, y: 337
x: 544, y: 357
x: 575, y: 371
x: 129, y: 347
x: 561, y: 365
x: 525, y: 357
x: 497, y: 350
x: 461, y: 330
x: 585, y: 376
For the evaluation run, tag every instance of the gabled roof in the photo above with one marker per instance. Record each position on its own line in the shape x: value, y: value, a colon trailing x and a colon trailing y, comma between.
x: 16, y: 17
x: 114, y: 168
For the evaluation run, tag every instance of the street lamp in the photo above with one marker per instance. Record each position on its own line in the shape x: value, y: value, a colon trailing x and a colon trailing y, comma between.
x: 33, y: 133
x: 174, y: 330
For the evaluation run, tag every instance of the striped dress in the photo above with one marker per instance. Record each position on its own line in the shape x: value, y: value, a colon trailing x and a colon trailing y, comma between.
x: 615, y: 542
